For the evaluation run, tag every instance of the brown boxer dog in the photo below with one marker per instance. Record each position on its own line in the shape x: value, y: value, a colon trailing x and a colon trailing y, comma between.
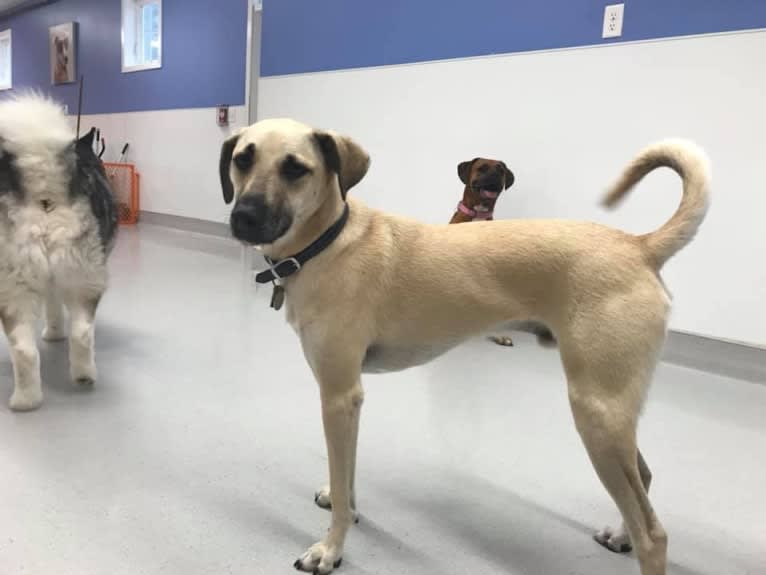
x: 484, y: 181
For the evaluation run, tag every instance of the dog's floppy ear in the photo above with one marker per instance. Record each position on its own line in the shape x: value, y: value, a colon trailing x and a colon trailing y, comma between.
x: 509, y: 177
x: 343, y: 156
x: 464, y: 170
x: 227, y: 151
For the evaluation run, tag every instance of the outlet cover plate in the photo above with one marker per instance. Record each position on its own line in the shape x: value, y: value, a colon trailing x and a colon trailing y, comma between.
x: 613, y: 21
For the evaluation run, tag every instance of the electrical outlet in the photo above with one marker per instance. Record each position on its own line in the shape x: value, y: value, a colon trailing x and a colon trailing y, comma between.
x: 613, y: 21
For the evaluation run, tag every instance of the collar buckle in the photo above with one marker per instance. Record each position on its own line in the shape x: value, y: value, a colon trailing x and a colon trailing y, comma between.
x: 284, y: 268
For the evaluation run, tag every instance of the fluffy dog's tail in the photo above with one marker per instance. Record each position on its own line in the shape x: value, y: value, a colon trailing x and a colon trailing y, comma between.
x: 689, y: 162
x: 31, y: 123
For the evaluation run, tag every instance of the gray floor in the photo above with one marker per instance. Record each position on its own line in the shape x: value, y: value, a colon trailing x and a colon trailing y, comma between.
x: 200, y: 447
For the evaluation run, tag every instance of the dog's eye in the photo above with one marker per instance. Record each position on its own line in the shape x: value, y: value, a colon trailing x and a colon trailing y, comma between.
x: 245, y: 159
x: 292, y: 169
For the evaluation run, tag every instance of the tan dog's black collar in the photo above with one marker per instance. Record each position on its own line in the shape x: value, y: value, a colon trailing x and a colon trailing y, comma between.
x: 288, y: 266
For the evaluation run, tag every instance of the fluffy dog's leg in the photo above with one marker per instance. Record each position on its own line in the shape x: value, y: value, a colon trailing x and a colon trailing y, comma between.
x: 20, y: 330
x: 82, y: 363
x: 54, y: 317
x: 342, y: 398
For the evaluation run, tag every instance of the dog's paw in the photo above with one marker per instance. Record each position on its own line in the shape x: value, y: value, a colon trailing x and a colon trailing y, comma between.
x: 320, y: 559
x: 54, y: 333
x: 617, y: 541
x: 27, y: 400
x: 84, y: 376
x: 322, y: 499
x: 502, y: 340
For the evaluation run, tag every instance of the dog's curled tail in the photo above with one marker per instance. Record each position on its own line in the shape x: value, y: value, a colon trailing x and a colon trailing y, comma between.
x: 691, y: 163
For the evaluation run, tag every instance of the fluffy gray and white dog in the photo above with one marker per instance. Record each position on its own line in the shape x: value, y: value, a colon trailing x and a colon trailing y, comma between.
x: 57, y: 226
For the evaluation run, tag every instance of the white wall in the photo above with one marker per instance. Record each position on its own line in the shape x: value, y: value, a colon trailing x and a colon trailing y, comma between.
x: 566, y: 122
x: 176, y: 153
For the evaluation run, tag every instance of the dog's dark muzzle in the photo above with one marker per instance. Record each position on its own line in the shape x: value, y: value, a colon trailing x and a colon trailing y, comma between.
x: 493, y: 180
x: 255, y: 222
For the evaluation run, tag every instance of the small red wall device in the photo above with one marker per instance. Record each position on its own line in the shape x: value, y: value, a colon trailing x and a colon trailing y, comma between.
x: 222, y: 115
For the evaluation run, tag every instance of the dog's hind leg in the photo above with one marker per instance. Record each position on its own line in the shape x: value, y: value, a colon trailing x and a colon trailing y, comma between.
x: 20, y: 330
x: 619, y: 540
x: 82, y: 361
x: 54, y: 316
x: 608, y: 374
x: 611, y: 444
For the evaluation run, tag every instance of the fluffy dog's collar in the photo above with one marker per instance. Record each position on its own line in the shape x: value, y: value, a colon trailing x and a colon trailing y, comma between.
x: 288, y: 266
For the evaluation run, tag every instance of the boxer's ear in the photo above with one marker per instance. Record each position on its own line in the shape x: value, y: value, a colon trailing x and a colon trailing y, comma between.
x: 509, y: 177
x: 464, y: 170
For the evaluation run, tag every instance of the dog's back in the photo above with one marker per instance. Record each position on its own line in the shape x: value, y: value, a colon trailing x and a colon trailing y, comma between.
x: 55, y: 200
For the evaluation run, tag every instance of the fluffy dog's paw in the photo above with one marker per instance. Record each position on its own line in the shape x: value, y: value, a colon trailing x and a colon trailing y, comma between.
x: 320, y: 559
x: 84, y: 376
x: 54, y: 333
x: 502, y: 340
x: 27, y: 400
x: 322, y: 499
x: 617, y: 541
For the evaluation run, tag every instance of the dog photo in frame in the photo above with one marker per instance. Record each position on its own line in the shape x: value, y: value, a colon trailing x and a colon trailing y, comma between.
x: 62, y: 40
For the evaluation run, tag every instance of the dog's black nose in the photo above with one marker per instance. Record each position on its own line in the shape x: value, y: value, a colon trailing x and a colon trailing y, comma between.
x: 247, y: 217
x: 254, y: 221
x: 243, y: 217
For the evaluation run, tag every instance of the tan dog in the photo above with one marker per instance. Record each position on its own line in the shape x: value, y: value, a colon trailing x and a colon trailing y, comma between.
x: 389, y: 293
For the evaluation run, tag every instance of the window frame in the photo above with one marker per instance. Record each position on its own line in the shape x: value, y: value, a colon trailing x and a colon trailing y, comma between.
x: 8, y: 33
x: 132, y: 32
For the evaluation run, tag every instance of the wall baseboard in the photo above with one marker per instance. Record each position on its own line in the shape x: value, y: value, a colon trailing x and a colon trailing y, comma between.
x: 730, y: 359
x: 218, y: 229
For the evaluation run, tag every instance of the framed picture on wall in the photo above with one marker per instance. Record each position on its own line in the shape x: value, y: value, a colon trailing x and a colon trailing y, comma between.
x: 62, y: 40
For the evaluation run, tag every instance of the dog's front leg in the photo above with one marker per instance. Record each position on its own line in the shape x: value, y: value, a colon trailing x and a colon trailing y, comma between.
x: 342, y: 398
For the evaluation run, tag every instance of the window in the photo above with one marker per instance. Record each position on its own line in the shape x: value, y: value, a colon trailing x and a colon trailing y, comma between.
x: 6, y: 66
x: 141, y: 35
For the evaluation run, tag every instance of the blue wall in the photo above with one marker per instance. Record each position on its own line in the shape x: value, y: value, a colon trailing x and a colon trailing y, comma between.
x: 203, y: 55
x: 315, y: 35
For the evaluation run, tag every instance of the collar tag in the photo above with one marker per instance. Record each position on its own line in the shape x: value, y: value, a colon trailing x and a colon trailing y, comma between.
x: 277, y: 296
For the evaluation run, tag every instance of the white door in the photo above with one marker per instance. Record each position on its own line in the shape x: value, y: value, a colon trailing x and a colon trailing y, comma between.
x: 250, y: 258
x: 255, y: 10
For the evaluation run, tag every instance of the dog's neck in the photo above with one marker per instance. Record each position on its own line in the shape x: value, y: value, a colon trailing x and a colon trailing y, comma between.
x: 478, y: 204
x: 308, y: 232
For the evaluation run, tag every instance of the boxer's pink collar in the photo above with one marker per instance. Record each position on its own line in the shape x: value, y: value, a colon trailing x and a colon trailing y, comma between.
x: 475, y: 214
